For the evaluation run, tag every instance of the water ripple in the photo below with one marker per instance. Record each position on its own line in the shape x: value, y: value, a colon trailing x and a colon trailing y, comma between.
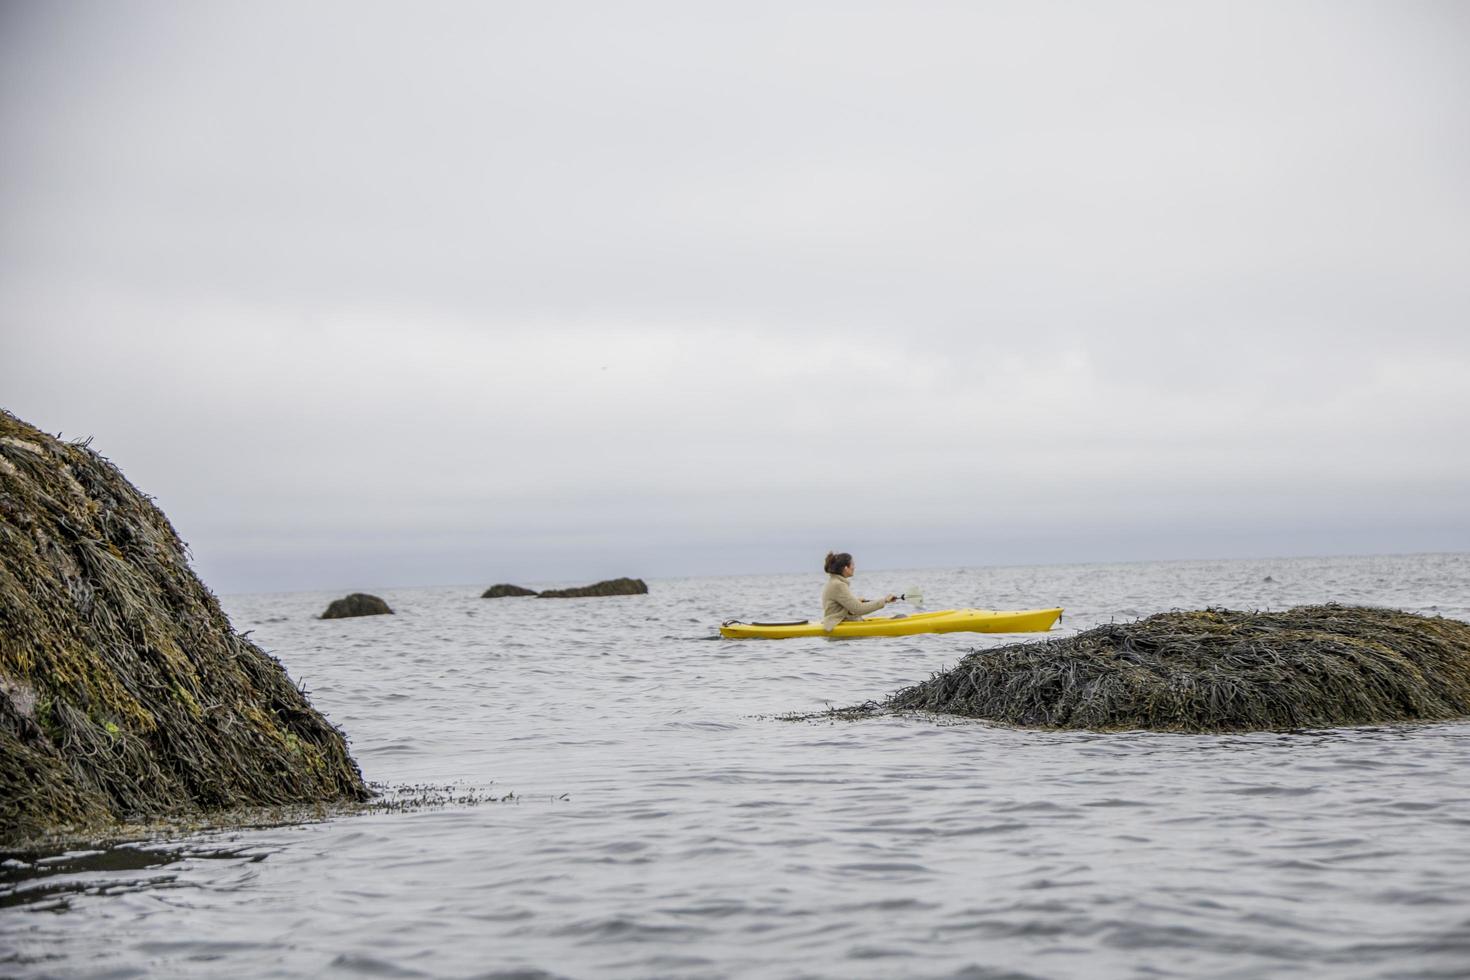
x: 664, y: 825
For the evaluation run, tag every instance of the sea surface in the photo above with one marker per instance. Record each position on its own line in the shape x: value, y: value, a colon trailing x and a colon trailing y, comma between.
x: 658, y: 820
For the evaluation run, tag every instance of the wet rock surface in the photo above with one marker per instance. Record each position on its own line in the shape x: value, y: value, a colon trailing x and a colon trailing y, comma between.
x: 615, y: 586
x: 124, y: 690
x: 504, y: 590
x: 357, y: 604
x: 1216, y: 670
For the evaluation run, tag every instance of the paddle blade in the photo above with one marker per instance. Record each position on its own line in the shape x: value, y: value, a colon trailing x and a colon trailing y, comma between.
x: 916, y: 596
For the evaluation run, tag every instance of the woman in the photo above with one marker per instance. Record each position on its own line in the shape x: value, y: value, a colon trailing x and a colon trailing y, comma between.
x: 838, y: 602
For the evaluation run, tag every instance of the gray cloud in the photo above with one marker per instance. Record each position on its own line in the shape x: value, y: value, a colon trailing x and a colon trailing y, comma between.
x: 393, y: 294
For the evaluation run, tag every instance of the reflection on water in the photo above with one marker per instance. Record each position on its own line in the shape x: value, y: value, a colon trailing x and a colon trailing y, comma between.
x: 658, y: 821
x: 47, y: 882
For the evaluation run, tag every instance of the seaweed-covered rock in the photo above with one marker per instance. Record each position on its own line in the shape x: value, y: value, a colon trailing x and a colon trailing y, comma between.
x: 124, y: 691
x: 503, y: 590
x: 615, y: 586
x: 1218, y: 671
x: 357, y: 604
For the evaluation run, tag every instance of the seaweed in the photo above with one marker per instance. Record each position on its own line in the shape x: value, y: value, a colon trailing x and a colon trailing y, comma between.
x: 1216, y: 670
x: 125, y: 694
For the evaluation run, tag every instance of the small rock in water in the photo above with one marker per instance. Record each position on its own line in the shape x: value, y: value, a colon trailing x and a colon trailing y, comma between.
x: 615, y: 586
x: 503, y: 590
x: 357, y: 604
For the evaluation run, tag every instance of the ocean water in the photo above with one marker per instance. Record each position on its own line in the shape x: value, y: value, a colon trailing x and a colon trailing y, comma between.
x: 662, y: 823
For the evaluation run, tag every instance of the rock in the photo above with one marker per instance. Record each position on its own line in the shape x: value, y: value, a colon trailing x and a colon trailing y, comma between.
x: 124, y: 691
x: 502, y: 591
x: 357, y: 604
x: 1218, y: 670
x: 616, y: 586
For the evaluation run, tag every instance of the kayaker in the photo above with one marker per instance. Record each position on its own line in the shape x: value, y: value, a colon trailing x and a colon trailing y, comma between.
x: 838, y: 602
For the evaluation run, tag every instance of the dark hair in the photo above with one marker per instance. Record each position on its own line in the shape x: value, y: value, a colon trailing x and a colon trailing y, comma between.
x: 836, y: 562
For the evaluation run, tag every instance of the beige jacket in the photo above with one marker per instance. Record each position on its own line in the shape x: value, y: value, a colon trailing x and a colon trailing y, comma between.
x: 838, y: 603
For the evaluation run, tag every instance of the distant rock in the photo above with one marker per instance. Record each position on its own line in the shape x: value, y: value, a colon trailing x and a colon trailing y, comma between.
x: 357, y: 604
x: 616, y: 586
x: 1268, y: 579
x: 503, y: 590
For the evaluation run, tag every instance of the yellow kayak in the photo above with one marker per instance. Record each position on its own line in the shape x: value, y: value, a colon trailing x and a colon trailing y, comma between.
x: 942, y: 621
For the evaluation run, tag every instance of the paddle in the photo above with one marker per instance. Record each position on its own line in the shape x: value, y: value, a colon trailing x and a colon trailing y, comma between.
x: 914, y: 595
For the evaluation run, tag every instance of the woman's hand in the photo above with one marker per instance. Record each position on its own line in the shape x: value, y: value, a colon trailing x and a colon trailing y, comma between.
x: 892, y: 598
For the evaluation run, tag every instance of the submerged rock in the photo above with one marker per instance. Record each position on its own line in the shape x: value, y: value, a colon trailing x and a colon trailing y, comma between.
x: 502, y: 591
x: 357, y: 604
x: 124, y: 691
x: 615, y: 586
x: 1218, y: 671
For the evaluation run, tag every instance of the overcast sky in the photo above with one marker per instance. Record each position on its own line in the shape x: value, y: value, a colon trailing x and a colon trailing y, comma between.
x: 392, y: 294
